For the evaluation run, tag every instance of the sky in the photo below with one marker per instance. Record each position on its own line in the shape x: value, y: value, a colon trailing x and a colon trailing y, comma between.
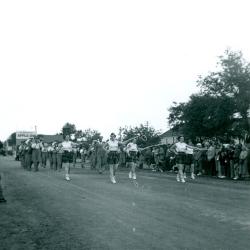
x: 109, y: 64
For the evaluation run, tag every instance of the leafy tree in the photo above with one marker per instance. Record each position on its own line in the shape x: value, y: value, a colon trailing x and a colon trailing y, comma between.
x: 12, y: 139
x: 223, y: 94
x: 68, y: 129
x: 147, y: 135
x: 208, y: 115
x: 1, y: 145
x: 176, y: 117
x: 90, y: 135
x: 231, y: 80
x: 202, y: 115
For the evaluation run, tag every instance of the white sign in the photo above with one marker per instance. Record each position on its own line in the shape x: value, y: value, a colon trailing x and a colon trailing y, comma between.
x: 23, y: 135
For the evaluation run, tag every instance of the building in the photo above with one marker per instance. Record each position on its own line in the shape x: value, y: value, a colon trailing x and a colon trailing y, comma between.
x: 169, y: 137
x: 51, y: 138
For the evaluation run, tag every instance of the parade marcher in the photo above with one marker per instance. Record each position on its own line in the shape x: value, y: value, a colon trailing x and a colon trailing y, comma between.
x: 67, y: 147
x: 50, y: 152
x: 36, y: 153
x: 44, y: 152
x: 28, y: 155
x: 180, y: 149
x: 113, y: 156
x: 132, y: 155
x: 59, y: 155
x: 54, y: 155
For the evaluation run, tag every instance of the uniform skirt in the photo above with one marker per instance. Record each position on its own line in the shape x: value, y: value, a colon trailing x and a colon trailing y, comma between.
x: 132, y: 157
x: 67, y: 157
x: 189, y: 159
x: 113, y: 157
x: 180, y: 158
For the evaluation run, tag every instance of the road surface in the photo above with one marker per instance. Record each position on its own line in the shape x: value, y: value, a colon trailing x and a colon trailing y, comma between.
x: 44, y: 211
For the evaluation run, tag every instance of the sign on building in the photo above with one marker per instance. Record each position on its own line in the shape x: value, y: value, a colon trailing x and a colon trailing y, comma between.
x: 24, y: 135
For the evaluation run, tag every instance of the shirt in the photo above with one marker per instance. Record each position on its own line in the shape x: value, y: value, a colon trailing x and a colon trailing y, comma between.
x: 36, y: 145
x: 181, y: 147
x: 131, y: 147
x: 113, y: 145
x: 67, y: 145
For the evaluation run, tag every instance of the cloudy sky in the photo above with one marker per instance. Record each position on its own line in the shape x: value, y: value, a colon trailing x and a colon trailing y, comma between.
x: 105, y: 64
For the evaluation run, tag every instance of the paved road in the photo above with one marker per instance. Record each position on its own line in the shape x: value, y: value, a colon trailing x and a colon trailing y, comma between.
x: 46, y: 212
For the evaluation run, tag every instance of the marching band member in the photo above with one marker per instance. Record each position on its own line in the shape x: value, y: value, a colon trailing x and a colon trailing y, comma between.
x: 132, y: 153
x: 59, y: 155
x: 36, y: 153
x: 54, y: 155
x: 44, y: 154
x: 50, y: 152
x: 28, y: 154
x: 112, y: 146
x: 179, y: 148
x: 67, y: 147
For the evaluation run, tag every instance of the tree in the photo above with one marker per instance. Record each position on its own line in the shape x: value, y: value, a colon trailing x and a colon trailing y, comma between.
x: 202, y: 116
x: 68, y: 129
x: 231, y: 80
x: 12, y: 139
x: 90, y: 135
x: 146, y: 135
x: 223, y: 94
x: 1, y: 145
x: 176, y: 116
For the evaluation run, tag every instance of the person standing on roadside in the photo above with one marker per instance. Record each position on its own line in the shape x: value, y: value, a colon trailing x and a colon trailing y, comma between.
x: 2, y: 199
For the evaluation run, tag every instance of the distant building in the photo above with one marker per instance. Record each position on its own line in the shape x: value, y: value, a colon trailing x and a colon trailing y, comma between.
x: 51, y: 138
x: 169, y: 137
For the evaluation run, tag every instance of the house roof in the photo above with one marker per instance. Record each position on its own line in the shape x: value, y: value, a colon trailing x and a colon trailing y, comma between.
x: 51, y: 138
x: 170, y: 133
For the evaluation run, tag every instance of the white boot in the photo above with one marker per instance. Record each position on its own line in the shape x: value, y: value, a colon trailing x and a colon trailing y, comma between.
x: 113, y: 179
x: 178, y: 177
x: 130, y: 175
